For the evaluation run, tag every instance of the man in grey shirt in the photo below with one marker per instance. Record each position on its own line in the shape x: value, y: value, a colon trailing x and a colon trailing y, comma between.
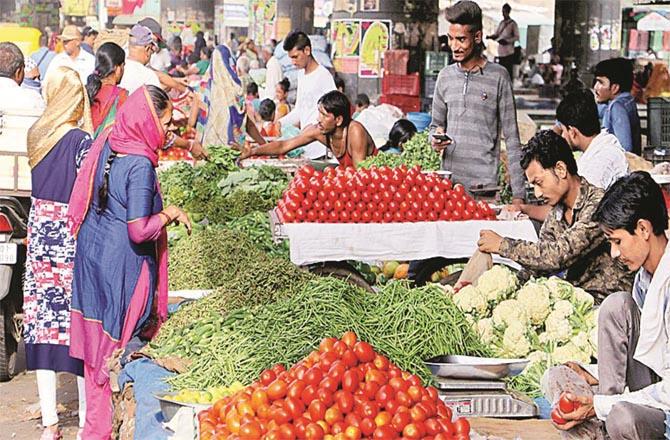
x: 473, y: 102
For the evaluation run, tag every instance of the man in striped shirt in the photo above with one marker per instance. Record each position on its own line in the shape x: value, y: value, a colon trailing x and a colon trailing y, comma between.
x: 473, y: 103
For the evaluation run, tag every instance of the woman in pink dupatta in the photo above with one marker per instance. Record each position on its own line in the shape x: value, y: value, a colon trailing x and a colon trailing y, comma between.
x: 120, y: 268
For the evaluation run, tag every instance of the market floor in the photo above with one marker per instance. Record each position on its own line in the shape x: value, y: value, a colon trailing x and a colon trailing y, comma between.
x: 20, y: 410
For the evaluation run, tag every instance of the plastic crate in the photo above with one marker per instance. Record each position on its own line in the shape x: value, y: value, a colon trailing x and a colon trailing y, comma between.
x: 435, y: 61
x: 405, y: 103
x: 401, y: 84
x: 429, y: 83
x: 395, y: 62
x: 658, y: 122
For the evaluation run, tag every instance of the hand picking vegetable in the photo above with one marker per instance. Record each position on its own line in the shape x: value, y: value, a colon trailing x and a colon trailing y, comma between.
x: 343, y: 390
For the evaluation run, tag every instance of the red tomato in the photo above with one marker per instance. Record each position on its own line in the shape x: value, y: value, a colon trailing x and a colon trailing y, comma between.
x: 432, y: 392
x: 556, y: 418
x: 308, y: 394
x: 418, y: 414
x: 267, y: 377
x: 350, y: 380
x: 294, y: 406
x: 296, y: 388
x: 377, y: 217
x: 345, y: 402
x: 384, y: 433
x: 364, y: 351
x: 383, y: 419
x: 277, y: 389
x: 317, y: 410
x: 367, y: 426
x: 398, y: 384
x: 258, y: 398
x: 250, y: 431
x: 325, y: 396
x: 345, y: 217
x: 414, y: 393
x: 280, y: 415
x: 384, y: 394
x: 352, y: 433
x: 370, y: 389
x: 462, y: 426
x: 313, y: 432
x: 566, y: 405
x: 333, y: 414
x: 400, y: 420
x: 370, y: 409
x: 392, y: 406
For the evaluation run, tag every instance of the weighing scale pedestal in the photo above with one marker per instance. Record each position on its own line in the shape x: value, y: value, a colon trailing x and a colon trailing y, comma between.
x: 484, y: 398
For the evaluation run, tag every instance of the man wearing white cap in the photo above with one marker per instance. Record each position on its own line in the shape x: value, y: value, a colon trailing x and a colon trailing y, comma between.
x: 73, y: 56
x: 140, y: 48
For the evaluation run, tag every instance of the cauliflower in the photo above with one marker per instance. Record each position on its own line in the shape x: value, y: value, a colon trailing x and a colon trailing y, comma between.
x: 582, y: 341
x: 558, y: 327
x: 593, y: 338
x: 581, y: 297
x: 515, y: 342
x: 534, y: 298
x: 484, y: 329
x: 509, y: 311
x: 471, y: 300
x: 570, y: 352
x: 537, y: 357
x: 558, y: 288
x: 564, y: 308
x: 497, y: 283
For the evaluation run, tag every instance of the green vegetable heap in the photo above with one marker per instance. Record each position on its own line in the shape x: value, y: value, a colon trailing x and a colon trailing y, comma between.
x: 417, y: 151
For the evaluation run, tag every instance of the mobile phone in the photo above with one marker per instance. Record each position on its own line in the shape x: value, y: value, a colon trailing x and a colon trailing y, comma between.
x: 442, y: 137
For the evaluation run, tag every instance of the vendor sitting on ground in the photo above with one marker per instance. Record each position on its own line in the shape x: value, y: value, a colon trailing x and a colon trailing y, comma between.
x: 348, y: 140
x: 569, y: 241
x: 627, y: 400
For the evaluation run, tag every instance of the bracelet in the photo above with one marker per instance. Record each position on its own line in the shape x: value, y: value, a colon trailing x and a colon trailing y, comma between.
x: 169, y: 220
x: 190, y: 145
x: 170, y: 141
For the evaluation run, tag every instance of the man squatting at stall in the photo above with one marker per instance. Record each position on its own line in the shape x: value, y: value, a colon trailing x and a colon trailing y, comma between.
x: 627, y: 400
x: 348, y: 140
x: 570, y: 242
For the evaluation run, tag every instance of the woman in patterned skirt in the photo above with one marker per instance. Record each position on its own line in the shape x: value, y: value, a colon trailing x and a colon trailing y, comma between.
x: 57, y: 143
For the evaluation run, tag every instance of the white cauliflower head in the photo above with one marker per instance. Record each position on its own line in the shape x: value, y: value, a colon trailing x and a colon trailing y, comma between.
x: 484, y: 328
x: 471, y: 300
x: 558, y: 327
x: 515, y: 343
x: 564, y: 308
x: 569, y: 352
x: 509, y: 311
x: 537, y: 357
x: 581, y: 297
x: 558, y: 288
x: 582, y: 341
x: 497, y: 283
x: 534, y: 298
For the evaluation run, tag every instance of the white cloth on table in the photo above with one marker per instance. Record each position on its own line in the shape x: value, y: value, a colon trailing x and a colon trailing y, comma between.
x: 317, y: 242
x: 311, y: 88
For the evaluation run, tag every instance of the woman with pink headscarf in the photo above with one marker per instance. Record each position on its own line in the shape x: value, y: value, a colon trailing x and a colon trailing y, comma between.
x: 119, y: 290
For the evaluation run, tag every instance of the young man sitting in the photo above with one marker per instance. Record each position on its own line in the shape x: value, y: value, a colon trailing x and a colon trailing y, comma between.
x: 629, y: 401
x: 348, y: 140
x: 570, y: 241
x: 614, y: 80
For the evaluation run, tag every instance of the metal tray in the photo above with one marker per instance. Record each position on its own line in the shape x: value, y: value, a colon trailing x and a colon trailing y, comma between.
x: 471, y: 367
x: 170, y: 407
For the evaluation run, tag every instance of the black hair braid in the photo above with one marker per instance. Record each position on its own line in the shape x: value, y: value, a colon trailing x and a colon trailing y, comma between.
x: 103, y: 192
x: 108, y: 57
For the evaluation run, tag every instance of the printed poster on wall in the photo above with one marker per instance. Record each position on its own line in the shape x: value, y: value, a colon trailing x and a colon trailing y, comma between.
x: 79, y: 8
x: 264, y: 13
x: 346, y: 43
x: 375, y: 40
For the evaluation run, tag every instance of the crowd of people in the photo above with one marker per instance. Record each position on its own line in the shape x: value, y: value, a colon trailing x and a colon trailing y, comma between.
x: 96, y: 262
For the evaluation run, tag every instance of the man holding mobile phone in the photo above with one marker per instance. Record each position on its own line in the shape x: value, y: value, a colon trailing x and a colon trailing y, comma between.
x: 473, y: 103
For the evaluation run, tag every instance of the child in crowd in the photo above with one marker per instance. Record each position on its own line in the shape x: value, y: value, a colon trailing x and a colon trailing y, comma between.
x: 281, y: 99
x: 252, y: 102
x: 362, y: 102
x: 401, y: 132
x: 269, y: 128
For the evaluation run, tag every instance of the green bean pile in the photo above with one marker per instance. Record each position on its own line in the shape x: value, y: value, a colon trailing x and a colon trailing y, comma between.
x: 407, y: 325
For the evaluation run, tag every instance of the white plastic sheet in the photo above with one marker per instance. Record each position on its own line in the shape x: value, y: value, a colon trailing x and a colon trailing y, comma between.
x: 317, y: 242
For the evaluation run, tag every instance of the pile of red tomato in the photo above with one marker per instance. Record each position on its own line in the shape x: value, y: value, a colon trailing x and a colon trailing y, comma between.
x: 173, y: 153
x: 343, y: 391
x: 376, y: 195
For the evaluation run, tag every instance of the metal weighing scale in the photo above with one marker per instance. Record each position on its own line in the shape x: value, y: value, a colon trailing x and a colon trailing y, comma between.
x: 475, y: 387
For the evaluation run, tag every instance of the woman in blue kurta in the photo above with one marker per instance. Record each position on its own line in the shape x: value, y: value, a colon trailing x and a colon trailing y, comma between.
x: 57, y: 143
x: 119, y: 289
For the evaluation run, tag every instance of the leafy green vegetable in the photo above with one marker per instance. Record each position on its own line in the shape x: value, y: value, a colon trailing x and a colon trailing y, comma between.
x: 417, y: 151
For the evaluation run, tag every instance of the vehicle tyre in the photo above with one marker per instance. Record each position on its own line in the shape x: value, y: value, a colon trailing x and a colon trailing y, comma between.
x: 8, y: 345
